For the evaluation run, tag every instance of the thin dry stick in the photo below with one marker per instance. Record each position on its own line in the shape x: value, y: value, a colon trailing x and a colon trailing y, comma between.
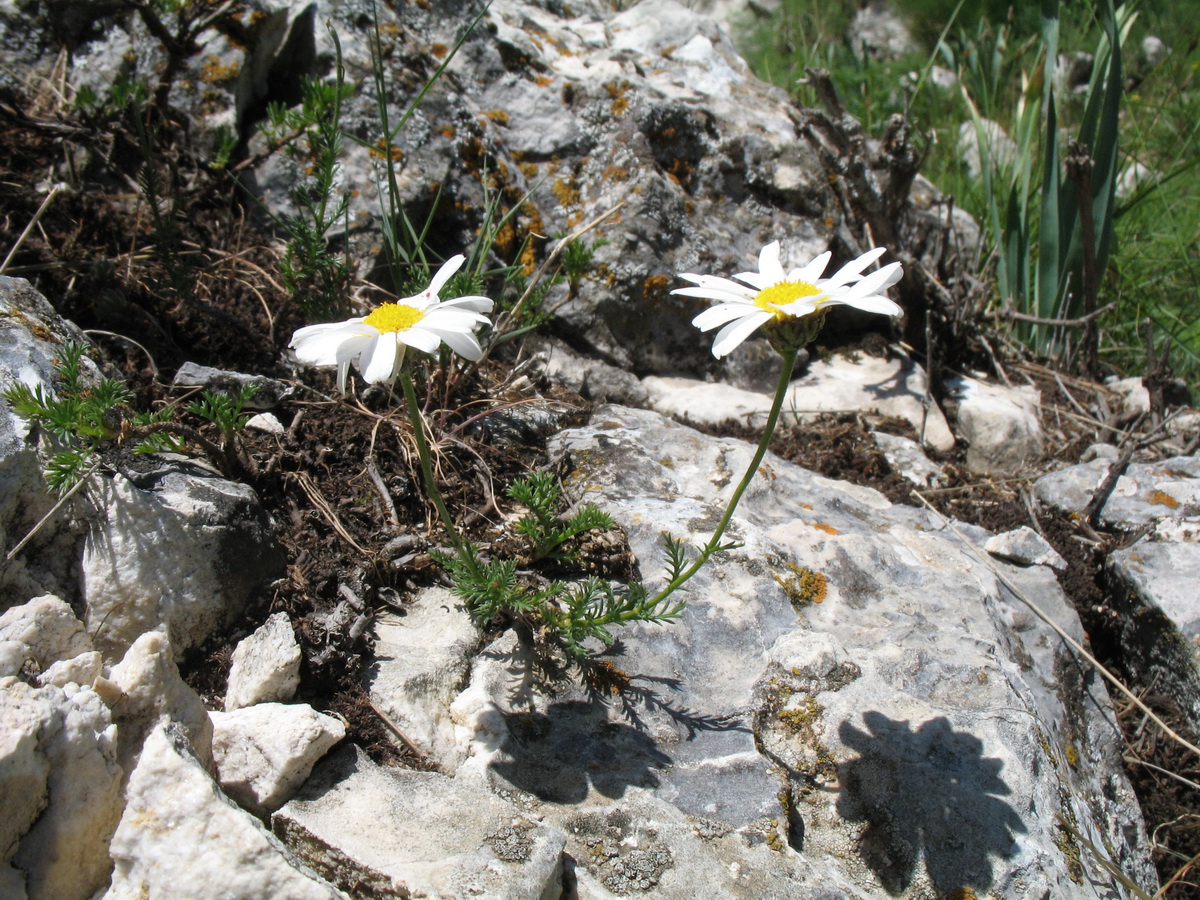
x: 1070, y: 641
x: 1105, y: 863
x: 54, y: 192
x: 323, y: 507
x: 55, y: 508
x: 512, y: 314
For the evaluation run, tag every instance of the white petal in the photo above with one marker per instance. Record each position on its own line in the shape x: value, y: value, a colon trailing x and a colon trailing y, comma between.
x: 464, y: 343
x: 756, y: 280
x: 421, y: 339
x: 875, y: 303
x: 378, y: 362
x: 444, y: 274
x: 453, y: 319
x: 714, y: 294
x: 323, y: 349
x: 769, y: 265
x: 718, y: 315
x: 812, y: 271
x: 853, y: 269
x: 724, y: 284
x: 735, y: 332
x: 343, y: 371
x: 473, y: 303
x: 879, y: 280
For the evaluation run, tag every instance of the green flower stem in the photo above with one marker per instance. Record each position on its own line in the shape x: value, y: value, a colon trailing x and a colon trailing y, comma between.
x: 714, y: 544
x: 431, y: 488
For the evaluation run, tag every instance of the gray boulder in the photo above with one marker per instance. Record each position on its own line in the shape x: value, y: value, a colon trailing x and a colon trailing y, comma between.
x: 853, y: 687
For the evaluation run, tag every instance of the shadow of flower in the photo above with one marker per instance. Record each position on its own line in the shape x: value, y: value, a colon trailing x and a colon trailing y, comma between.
x: 928, y: 792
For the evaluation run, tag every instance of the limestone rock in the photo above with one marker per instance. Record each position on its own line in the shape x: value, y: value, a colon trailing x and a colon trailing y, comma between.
x: 47, y: 631
x: 263, y: 753
x: 180, y: 837
x: 852, y: 657
x: 178, y: 550
x: 1000, y: 425
x: 266, y: 665
x: 145, y: 689
x: 1024, y: 546
x: 906, y: 457
x: 1165, y: 491
x: 398, y: 832
x: 889, y: 387
x: 59, y: 788
x: 422, y: 660
x: 878, y: 32
x: 31, y: 336
x: 1155, y: 594
x: 268, y: 392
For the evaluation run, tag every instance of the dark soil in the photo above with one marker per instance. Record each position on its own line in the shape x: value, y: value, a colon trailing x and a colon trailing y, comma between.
x: 343, y: 485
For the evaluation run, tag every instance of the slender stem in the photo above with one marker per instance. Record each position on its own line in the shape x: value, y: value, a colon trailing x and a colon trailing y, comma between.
x: 431, y: 488
x: 714, y: 544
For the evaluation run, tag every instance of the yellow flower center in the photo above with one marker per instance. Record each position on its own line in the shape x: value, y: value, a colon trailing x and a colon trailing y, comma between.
x: 393, y: 317
x: 770, y: 298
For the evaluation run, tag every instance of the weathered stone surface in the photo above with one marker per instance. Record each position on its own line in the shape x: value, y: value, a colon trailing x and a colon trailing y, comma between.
x: 916, y: 719
x: 264, y: 752
x: 268, y: 392
x: 177, y: 549
x: 1167, y: 491
x: 1000, y: 425
x: 266, y: 665
x: 1155, y: 592
x: 1024, y: 546
x: 145, y: 689
x: 889, y: 387
x: 397, y: 832
x: 59, y: 788
x: 878, y: 32
x: 46, y: 630
x: 180, y: 837
x: 421, y: 662
x: 31, y: 336
x: 906, y: 457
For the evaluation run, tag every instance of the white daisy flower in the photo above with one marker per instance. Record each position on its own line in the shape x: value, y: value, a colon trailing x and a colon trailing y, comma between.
x: 781, y: 298
x: 375, y: 343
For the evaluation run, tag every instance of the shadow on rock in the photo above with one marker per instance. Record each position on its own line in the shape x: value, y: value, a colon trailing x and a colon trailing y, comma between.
x: 928, y: 792
x: 556, y: 755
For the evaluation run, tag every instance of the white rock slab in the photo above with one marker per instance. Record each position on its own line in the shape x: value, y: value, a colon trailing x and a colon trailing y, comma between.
x: 265, y: 666
x: 422, y: 659
x: 888, y: 387
x: 1000, y: 425
x: 47, y: 630
x: 1167, y: 491
x: 59, y: 788
x: 923, y: 748
x: 180, y: 551
x: 908, y: 458
x: 180, y: 837
x: 144, y: 689
x: 263, y: 753
x: 1025, y: 546
x: 1156, y: 593
x: 398, y: 832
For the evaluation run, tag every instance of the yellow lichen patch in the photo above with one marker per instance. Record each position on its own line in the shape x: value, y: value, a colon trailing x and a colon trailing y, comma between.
x: 655, y: 287
x: 499, y: 116
x: 382, y: 150
x: 681, y: 171
x: 213, y: 72
x: 613, y: 172
x: 1071, y: 755
x: 543, y: 81
x: 666, y: 51
x: 1164, y: 499
x: 566, y: 190
x: 803, y: 586
x: 962, y: 893
x: 821, y: 526
x: 528, y: 169
x: 620, y: 99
